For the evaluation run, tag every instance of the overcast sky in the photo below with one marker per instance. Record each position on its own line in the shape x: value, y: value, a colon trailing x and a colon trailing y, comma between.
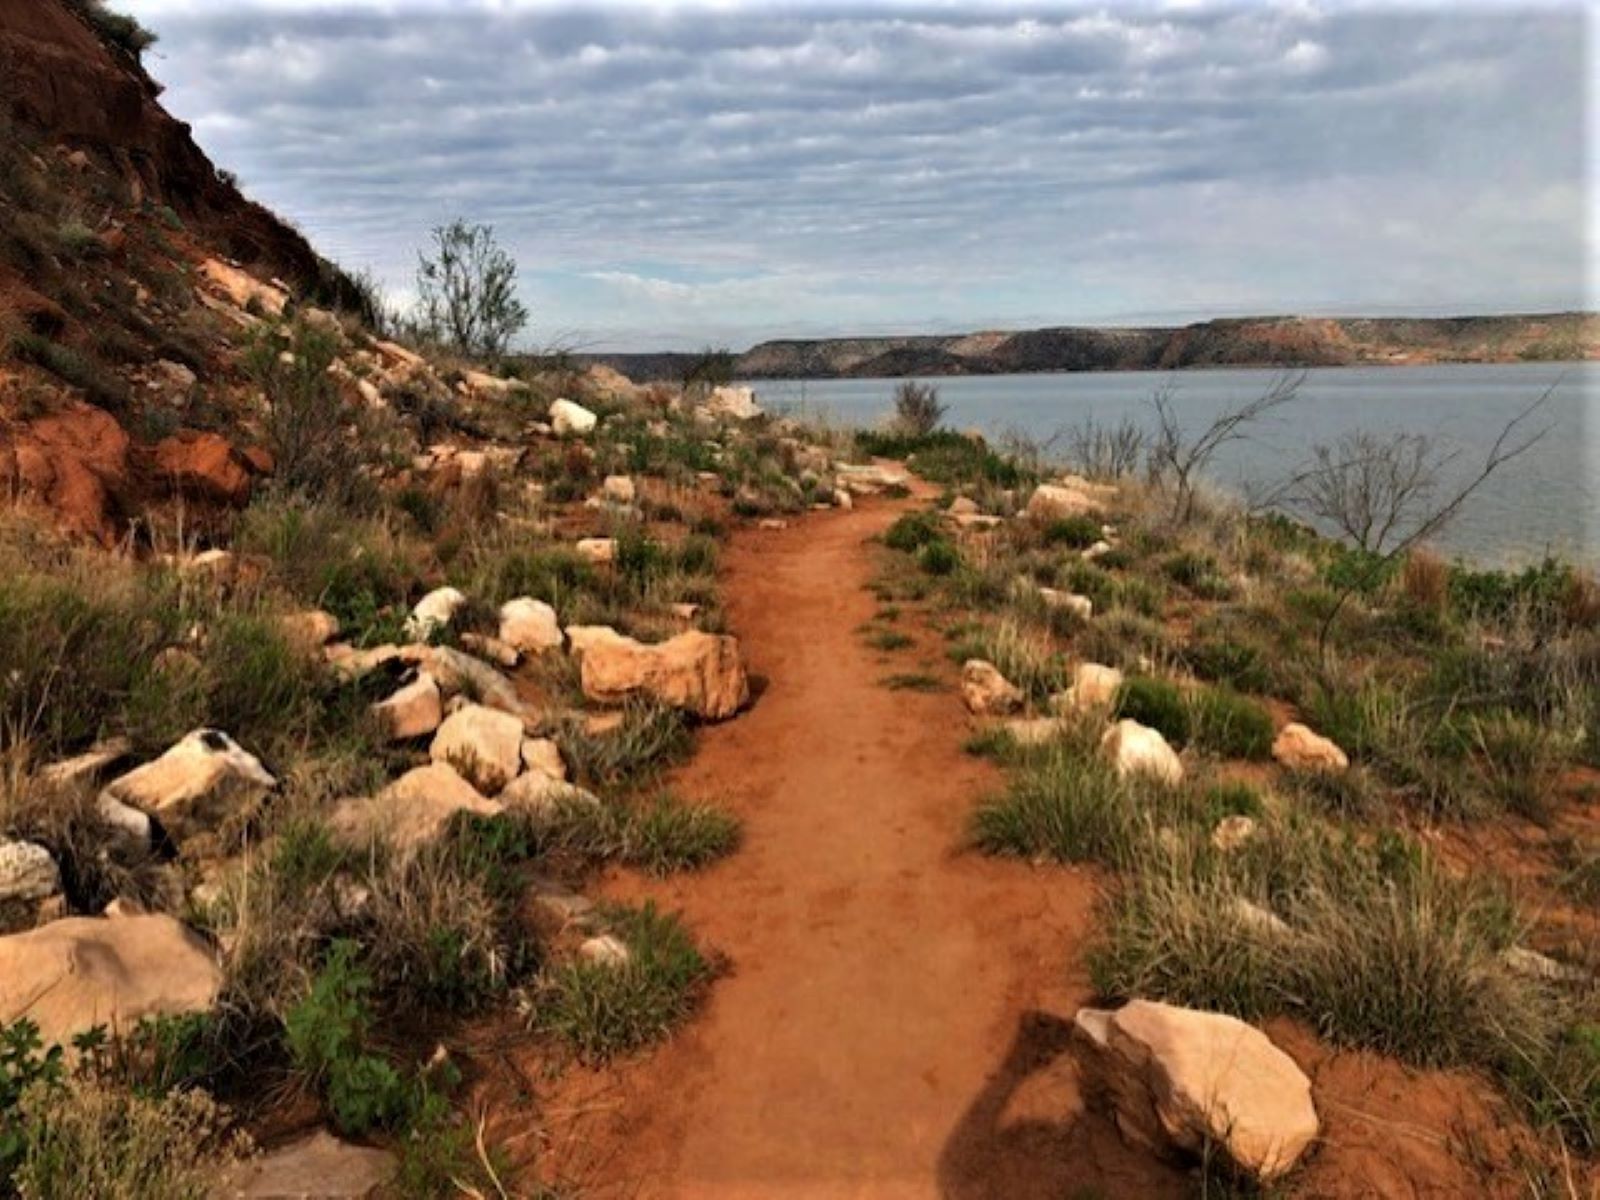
x: 691, y: 175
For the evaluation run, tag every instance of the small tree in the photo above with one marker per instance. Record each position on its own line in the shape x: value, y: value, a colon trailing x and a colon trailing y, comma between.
x: 467, y: 291
x: 917, y: 409
x: 1178, y: 462
x: 1370, y: 487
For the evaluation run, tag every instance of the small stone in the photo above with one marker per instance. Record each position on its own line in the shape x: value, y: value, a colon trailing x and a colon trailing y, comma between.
x: 1299, y: 749
x: 986, y: 692
x: 571, y: 420
x: 618, y: 490
x: 434, y: 613
x: 492, y: 649
x: 530, y: 626
x: 484, y: 745
x: 1136, y: 749
x: 542, y: 756
x: 1079, y: 606
x: 27, y: 873
x: 599, y: 550
x: 413, y: 711
x: 606, y: 950
x: 310, y: 630
x: 201, y: 781
x: 1233, y: 832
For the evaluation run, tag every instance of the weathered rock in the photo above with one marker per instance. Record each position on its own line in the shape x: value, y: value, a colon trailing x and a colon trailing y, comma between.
x: 542, y: 756
x: 698, y: 672
x: 1136, y: 749
x: 1099, y: 550
x: 316, y: 1167
x: 1258, y: 920
x: 963, y: 506
x: 72, y: 975
x: 1299, y: 749
x: 27, y: 873
x: 843, y: 499
x: 772, y: 524
x: 618, y: 489
x: 869, y: 479
x: 88, y: 767
x: 412, y: 811
x: 543, y: 798
x: 571, y: 420
x: 491, y: 649
x: 413, y: 711
x: 1179, y: 1080
x: 492, y: 385
x: 458, y: 672
x: 434, y: 613
x: 1233, y: 832
x: 988, y: 693
x: 1033, y: 731
x: 1094, y: 689
x: 1070, y: 496
x: 1530, y: 964
x: 1079, y: 606
x: 733, y: 403
x: 203, y: 465
x: 600, y: 551
x: 198, y: 783
x: 530, y: 626
x: 243, y: 290
x: 484, y: 745
x: 606, y: 950
x: 358, y: 664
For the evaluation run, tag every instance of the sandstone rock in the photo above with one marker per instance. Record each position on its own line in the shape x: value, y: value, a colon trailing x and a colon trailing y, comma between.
x: 1233, y: 832
x: 963, y: 506
x: 1094, y: 689
x: 1099, y: 550
x: 434, y: 613
x: 571, y: 420
x: 484, y: 745
x: 202, y: 780
x: 1079, y: 606
x: 1258, y: 920
x: 243, y: 290
x: 27, y: 873
x: 988, y: 693
x: 412, y: 811
x: 88, y: 767
x: 701, y: 673
x: 606, y: 950
x: 316, y: 1167
x: 530, y: 626
x: 1033, y: 731
x: 1137, y: 749
x: 492, y: 385
x: 869, y: 479
x: 772, y: 524
x: 600, y: 551
x: 310, y: 630
x: 619, y: 490
x: 1069, y: 496
x: 545, y: 799
x: 74, y: 463
x: 1179, y: 1080
x: 491, y: 650
x: 413, y: 711
x: 71, y: 975
x: 842, y: 499
x: 358, y: 664
x: 203, y: 465
x: 1530, y: 964
x: 1299, y: 749
x: 734, y: 403
x: 542, y: 756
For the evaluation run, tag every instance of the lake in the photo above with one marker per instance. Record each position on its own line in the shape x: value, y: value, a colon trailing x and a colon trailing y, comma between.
x: 1548, y: 500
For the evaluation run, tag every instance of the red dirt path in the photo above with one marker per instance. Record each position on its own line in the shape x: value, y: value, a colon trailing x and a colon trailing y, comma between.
x: 893, y: 1021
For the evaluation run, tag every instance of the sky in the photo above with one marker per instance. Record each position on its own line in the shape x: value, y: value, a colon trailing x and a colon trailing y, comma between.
x: 688, y: 175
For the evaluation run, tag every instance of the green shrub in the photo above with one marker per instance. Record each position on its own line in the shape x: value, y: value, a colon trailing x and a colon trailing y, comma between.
x: 1232, y: 800
x: 601, y: 1010
x: 945, y: 457
x: 326, y: 1036
x: 1075, y: 532
x: 651, y: 737
x: 1158, y: 704
x: 1228, y: 660
x: 667, y: 835
x: 1229, y: 724
x: 912, y: 531
x: 939, y: 558
x: 25, y: 1065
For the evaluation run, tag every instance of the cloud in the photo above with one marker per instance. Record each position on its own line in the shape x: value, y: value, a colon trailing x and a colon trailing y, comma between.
x: 677, y: 174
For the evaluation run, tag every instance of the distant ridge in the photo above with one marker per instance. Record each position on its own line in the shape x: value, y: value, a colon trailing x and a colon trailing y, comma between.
x: 1229, y: 342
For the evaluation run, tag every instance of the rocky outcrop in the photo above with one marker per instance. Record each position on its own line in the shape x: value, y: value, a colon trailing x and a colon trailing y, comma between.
x: 1178, y: 1080
x: 986, y: 692
x: 697, y: 672
x: 204, y: 466
x: 72, y: 975
x: 1136, y: 749
x: 1300, y: 749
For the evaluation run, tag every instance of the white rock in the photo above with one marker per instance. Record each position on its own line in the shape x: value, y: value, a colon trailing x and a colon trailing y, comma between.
x: 530, y: 626
x: 1094, y: 689
x: 1299, y: 749
x: 542, y: 756
x: 571, y: 420
x: 600, y: 551
x: 1136, y: 749
x: 605, y: 950
x: 735, y: 403
x: 413, y: 711
x: 1079, y: 606
x: 199, y: 782
x: 412, y: 811
x: 619, y: 490
x: 986, y: 692
x: 434, y: 613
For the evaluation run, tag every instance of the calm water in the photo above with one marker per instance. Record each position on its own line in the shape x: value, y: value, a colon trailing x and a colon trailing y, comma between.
x: 1547, y: 500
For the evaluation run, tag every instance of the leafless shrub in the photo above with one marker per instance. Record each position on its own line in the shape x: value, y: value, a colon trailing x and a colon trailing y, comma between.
x: 1105, y: 451
x: 917, y: 409
x: 1370, y: 487
x: 1177, y: 461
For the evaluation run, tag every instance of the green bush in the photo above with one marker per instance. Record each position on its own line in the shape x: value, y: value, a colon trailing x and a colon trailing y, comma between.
x: 945, y: 457
x: 1228, y: 660
x: 912, y: 531
x: 601, y: 1010
x: 1075, y: 532
x: 667, y: 835
x: 1158, y: 704
x: 1229, y: 724
x: 939, y: 558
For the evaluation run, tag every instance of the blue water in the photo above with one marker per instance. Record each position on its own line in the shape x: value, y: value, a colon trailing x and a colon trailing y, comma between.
x: 1547, y: 501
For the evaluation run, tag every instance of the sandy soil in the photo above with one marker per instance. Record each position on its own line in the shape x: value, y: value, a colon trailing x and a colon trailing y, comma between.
x: 893, y: 1022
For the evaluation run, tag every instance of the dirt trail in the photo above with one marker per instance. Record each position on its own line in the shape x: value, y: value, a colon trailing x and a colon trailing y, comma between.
x: 893, y: 1021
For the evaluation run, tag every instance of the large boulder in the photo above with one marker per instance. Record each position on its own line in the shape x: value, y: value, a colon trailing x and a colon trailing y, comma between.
x: 200, y: 782
x: 733, y: 403
x: 72, y: 975
x: 484, y: 745
x: 1094, y: 689
x: 988, y: 693
x: 1136, y: 749
x: 1069, y: 496
x: 1299, y: 749
x: 701, y: 673
x: 1179, y: 1080
x: 433, y: 614
x: 412, y: 811
x: 571, y: 420
x: 529, y: 626
x: 75, y: 464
